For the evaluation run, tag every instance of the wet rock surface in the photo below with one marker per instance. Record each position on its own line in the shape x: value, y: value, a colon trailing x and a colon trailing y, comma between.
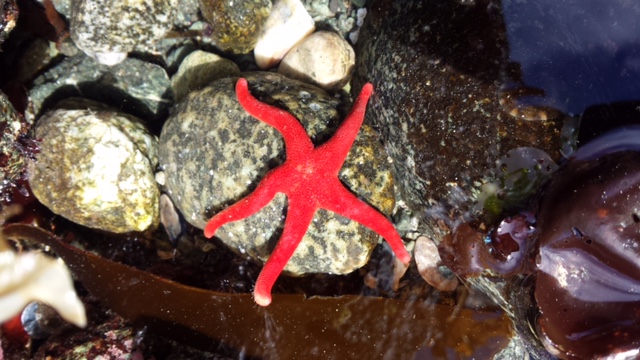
x: 107, y: 30
x: 96, y: 168
x: 8, y: 18
x: 16, y: 147
x: 324, y: 59
x: 199, y: 69
x: 236, y: 24
x: 134, y: 86
x: 209, y: 137
x: 438, y: 66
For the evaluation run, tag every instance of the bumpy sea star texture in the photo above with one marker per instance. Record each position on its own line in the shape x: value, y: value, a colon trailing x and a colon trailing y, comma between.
x: 309, y: 179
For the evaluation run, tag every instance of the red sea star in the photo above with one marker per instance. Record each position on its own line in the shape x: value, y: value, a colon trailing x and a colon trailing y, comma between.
x: 309, y: 179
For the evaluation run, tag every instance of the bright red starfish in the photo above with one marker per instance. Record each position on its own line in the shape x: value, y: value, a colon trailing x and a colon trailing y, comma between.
x: 309, y: 179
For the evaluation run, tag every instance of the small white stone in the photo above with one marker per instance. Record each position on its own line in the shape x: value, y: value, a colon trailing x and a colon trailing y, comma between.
x: 109, y: 59
x: 288, y: 23
x: 324, y: 59
x: 428, y: 259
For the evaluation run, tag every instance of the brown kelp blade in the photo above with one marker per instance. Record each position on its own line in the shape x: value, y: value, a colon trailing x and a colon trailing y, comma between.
x: 345, y: 327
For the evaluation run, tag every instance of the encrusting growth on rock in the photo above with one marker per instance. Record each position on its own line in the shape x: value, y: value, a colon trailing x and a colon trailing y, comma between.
x: 309, y: 179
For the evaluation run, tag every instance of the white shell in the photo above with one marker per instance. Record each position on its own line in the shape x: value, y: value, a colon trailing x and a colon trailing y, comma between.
x: 31, y: 277
x: 288, y: 23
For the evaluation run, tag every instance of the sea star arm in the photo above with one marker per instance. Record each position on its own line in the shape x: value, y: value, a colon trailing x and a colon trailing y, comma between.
x: 297, y: 142
x: 345, y: 203
x: 339, y: 145
x: 299, y: 216
x: 247, y: 206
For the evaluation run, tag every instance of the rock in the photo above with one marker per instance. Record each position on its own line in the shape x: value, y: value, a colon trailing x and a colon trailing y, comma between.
x: 438, y: 67
x: 336, y: 15
x: 134, y: 86
x: 15, y: 148
x: 288, y: 23
x: 107, y: 30
x: 8, y: 18
x: 96, y: 168
x: 213, y: 153
x: 236, y: 24
x: 36, y: 58
x: 324, y: 59
x: 199, y: 69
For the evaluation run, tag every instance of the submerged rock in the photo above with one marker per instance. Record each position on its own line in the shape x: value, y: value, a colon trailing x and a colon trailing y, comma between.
x: 438, y: 68
x: 213, y: 153
x: 15, y: 148
x: 199, y: 69
x: 134, y: 86
x: 8, y: 18
x: 108, y: 29
x: 236, y: 24
x: 96, y: 168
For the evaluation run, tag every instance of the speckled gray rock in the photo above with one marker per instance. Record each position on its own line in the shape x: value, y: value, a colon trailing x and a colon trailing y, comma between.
x: 236, y: 24
x: 199, y: 69
x: 213, y: 153
x: 108, y: 29
x: 324, y: 59
x: 133, y: 86
x: 96, y: 168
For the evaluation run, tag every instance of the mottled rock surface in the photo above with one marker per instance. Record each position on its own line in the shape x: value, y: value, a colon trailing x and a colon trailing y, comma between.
x: 199, y: 69
x: 108, y: 29
x: 236, y: 24
x: 134, y: 86
x: 96, y: 168
x: 15, y: 147
x: 437, y: 67
x: 213, y: 153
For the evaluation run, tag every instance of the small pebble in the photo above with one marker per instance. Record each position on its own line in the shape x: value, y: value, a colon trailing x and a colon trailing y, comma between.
x: 288, y: 23
x: 428, y: 262
x: 324, y: 59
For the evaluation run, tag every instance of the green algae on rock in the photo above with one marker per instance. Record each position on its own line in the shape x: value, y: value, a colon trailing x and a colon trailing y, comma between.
x: 213, y: 153
x: 236, y: 24
x: 96, y: 168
